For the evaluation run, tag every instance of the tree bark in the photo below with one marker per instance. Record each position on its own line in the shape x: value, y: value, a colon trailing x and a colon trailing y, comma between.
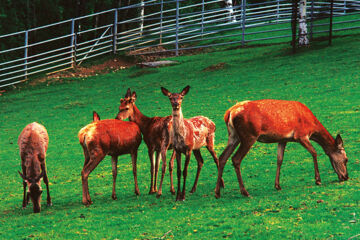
x: 303, y: 39
x: 231, y: 12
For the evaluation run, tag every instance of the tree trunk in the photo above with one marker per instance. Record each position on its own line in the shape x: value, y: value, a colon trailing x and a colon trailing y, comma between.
x: 303, y: 39
x: 142, y: 13
x: 231, y: 13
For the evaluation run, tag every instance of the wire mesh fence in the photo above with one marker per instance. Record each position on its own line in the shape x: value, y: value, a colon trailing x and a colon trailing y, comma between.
x: 162, y: 26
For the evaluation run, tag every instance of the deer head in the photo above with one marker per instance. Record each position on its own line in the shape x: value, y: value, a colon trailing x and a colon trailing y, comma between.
x: 339, y: 159
x: 175, y: 98
x: 34, y: 190
x: 126, y: 108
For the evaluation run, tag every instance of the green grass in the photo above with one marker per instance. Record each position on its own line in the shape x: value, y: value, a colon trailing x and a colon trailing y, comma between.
x: 325, y: 78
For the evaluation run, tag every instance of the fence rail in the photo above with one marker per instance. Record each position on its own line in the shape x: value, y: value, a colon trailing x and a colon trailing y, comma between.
x: 163, y: 26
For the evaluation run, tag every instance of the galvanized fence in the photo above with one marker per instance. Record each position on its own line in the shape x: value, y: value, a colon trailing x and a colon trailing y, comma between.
x: 162, y: 26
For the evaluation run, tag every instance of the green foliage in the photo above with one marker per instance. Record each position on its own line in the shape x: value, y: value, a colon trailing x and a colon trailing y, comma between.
x: 324, y: 78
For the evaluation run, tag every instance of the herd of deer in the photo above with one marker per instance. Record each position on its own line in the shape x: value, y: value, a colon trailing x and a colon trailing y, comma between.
x: 267, y: 121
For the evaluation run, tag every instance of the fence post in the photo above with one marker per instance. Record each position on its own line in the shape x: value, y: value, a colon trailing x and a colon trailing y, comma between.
x: 26, y: 53
x: 202, y: 18
x: 177, y: 29
x: 72, y: 44
x: 277, y: 11
x: 331, y: 21
x: 293, y: 24
x: 344, y: 7
x: 161, y: 19
x: 312, y: 20
x: 115, y: 30
x: 243, y: 20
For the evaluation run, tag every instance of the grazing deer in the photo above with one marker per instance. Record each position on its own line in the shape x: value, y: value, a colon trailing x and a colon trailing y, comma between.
x: 108, y: 137
x: 33, y: 142
x: 156, y: 136
x: 277, y: 121
x: 189, y: 135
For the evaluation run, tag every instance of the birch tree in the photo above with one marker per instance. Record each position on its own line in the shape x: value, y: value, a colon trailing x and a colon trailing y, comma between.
x: 303, y: 39
x: 231, y: 13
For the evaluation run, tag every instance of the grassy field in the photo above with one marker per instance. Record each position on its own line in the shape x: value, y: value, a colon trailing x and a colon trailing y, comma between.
x: 326, y: 79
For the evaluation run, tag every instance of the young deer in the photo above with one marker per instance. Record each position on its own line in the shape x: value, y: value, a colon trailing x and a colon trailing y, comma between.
x: 33, y: 142
x: 156, y: 136
x: 277, y: 121
x: 189, y: 135
x: 108, y: 137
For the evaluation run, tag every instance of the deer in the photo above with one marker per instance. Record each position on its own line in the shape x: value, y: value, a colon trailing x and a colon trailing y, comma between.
x: 189, y: 135
x: 156, y: 134
x: 277, y: 121
x: 33, y: 143
x: 108, y: 137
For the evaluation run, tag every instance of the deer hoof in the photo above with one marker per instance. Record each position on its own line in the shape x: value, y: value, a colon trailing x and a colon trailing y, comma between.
x: 114, y: 197
x: 193, y: 190
x: 245, y: 193
x: 318, y: 182
x: 172, y: 191
x: 278, y: 187
x: 158, y: 195
x: 152, y: 191
x: 49, y: 204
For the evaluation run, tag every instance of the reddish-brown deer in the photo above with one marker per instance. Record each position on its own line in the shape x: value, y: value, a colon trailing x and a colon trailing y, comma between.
x: 277, y: 121
x: 33, y: 142
x: 156, y: 135
x: 108, y: 137
x: 189, y: 135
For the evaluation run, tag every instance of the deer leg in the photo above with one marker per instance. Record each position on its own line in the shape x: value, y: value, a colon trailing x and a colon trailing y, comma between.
x: 171, y: 167
x: 280, y: 157
x: 237, y: 158
x: 114, y: 161
x: 152, y: 168
x: 163, y: 170
x: 210, y: 148
x: 157, y: 163
x: 232, y: 144
x: 25, y: 196
x: 95, y: 159
x: 187, y: 161
x: 200, y: 162
x: 306, y: 144
x: 178, y: 163
x: 133, y: 161
x: 46, y: 181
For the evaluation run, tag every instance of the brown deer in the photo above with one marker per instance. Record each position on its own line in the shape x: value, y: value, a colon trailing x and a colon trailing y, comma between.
x: 156, y: 132
x: 277, y: 121
x: 189, y: 135
x: 33, y: 142
x: 108, y: 137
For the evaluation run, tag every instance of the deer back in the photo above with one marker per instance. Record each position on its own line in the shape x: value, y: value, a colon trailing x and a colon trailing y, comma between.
x: 114, y: 137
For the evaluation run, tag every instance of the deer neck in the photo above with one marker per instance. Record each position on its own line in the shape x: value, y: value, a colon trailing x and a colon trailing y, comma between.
x: 140, y: 119
x: 324, y: 139
x: 178, y: 123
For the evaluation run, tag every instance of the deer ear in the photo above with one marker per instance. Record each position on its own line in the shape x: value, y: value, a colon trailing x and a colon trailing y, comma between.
x: 128, y: 93
x: 133, y: 96
x: 185, y: 90
x: 165, y: 91
x: 96, y: 116
x: 121, y: 100
x: 339, y: 142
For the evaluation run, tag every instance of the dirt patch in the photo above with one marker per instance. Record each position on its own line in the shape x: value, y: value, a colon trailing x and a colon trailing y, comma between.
x: 215, y: 67
x: 112, y: 65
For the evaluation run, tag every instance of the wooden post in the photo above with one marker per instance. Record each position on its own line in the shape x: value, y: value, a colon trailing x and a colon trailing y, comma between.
x: 243, y: 20
x: 26, y: 53
x: 161, y: 19
x: 202, y: 17
x: 293, y: 24
x: 115, y: 31
x: 331, y: 21
x: 72, y: 44
x: 177, y: 29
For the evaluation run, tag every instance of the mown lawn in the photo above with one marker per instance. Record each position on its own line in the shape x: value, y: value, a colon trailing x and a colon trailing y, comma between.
x: 326, y: 79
